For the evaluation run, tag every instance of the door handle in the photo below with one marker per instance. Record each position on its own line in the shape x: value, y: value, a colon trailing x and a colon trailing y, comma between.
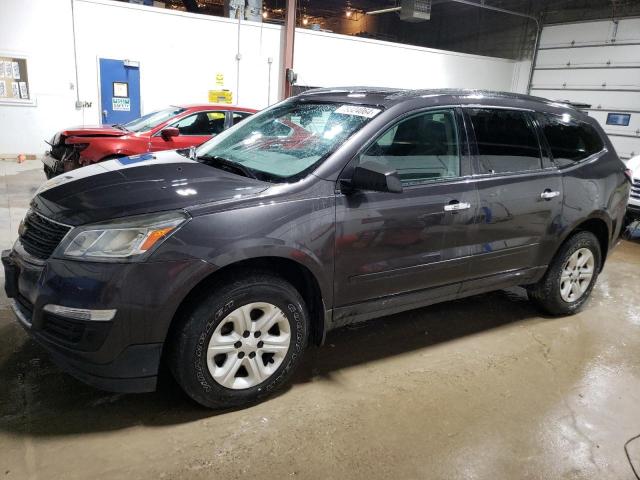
x: 104, y: 113
x: 549, y: 194
x: 457, y: 206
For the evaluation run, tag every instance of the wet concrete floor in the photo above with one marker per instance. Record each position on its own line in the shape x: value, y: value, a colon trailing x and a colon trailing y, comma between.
x: 481, y: 388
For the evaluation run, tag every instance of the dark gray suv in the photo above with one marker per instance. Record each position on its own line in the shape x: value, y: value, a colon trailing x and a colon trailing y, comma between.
x: 332, y: 207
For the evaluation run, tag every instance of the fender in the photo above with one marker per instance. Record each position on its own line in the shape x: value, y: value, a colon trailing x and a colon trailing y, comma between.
x: 241, y: 252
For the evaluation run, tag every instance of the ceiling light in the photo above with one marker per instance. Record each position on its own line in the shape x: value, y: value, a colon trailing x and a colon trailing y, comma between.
x: 349, y: 12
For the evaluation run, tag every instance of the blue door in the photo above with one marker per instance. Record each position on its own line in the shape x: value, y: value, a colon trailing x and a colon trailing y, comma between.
x: 119, y: 91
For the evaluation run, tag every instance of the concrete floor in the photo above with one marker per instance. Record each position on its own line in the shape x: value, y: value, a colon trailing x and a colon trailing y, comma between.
x: 482, y: 388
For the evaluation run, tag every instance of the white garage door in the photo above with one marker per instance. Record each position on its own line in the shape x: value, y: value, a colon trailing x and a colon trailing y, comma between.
x: 596, y: 63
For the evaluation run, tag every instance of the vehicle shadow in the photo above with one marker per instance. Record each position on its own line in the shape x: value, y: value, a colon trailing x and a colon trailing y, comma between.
x: 38, y: 399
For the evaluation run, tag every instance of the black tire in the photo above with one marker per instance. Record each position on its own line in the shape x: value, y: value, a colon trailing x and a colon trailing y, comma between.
x: 190, y: 339
x: 546, y: 293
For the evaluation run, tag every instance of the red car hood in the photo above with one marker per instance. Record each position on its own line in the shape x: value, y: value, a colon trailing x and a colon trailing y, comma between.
x: 93, y: 131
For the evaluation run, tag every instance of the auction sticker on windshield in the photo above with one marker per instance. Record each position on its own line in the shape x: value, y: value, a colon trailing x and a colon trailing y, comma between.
x: 358, y: 110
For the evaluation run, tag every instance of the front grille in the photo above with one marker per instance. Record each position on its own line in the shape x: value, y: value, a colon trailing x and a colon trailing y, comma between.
x: 40, y: 236
x: 635, y: 189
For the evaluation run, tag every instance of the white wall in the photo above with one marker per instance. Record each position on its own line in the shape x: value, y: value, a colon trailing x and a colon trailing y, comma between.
x: 330, y: 60
x: 521, y: 74
x: 180, y: 54
x: 45, y: 38
x: 597, y: 63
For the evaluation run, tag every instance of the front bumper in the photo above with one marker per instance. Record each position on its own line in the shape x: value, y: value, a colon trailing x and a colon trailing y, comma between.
x: 122, y: 354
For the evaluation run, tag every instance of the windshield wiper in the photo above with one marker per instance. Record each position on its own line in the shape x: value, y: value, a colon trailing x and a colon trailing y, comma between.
x: 119, y: 126
x: 227, y: 165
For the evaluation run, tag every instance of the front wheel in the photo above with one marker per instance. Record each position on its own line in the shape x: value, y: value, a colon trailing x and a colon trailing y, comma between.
x: 241, y: 343
x: 570, y: 278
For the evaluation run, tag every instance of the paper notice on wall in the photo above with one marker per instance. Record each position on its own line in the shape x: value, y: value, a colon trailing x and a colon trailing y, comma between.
x: 121, y: 104
x: 15, y: 90
x: 24, y: 93
x: 16, y: 70
x: 3, y: 88
x: 220, y: 79
x: 8, y: 69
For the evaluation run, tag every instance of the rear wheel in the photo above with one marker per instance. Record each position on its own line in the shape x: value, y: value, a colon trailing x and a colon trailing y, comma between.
x: 570, y: 278
x: 241, y: 343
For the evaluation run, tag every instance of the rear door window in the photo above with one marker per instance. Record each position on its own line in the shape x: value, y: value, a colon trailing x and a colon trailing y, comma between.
x: 570, y: 140
x: 506, y: 140
x: 421, y: 148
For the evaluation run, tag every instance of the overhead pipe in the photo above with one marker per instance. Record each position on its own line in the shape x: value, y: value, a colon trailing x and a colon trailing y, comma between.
x: 384, y: 10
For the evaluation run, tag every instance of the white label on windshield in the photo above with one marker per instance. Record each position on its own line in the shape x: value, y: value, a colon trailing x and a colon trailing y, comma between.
x: 367, y: 112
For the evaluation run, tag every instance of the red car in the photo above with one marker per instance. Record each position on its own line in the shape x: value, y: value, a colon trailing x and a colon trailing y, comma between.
x: 169, y: 129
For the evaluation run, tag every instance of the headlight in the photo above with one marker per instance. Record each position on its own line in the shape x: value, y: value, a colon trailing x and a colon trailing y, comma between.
x: 129, y: 238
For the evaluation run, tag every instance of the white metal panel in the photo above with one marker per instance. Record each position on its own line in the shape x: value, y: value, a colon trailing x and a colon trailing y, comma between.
x: 627, y: 78
x: 604, y: 100
x: 628, y: 30
x: 590, y: 33
x: 576, y: 33
x: 619, y: 55
x: 626, y: 147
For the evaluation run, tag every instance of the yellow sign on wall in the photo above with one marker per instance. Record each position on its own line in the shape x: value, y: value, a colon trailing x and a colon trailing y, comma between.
x: 220, y: 96
x: 220, y: 79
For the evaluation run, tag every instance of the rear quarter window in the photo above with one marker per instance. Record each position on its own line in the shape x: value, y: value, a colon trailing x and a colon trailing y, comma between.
x: 570, y: 140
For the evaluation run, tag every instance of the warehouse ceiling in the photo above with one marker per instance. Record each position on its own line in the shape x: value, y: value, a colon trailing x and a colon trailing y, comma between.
x: 453, y: 25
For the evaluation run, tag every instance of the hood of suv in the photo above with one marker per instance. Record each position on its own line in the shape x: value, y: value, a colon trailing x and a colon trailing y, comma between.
x: 136, y: 185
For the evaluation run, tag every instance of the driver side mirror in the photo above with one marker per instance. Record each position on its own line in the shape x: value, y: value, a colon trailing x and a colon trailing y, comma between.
x: 373, y: 176
x: 169, y: 132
